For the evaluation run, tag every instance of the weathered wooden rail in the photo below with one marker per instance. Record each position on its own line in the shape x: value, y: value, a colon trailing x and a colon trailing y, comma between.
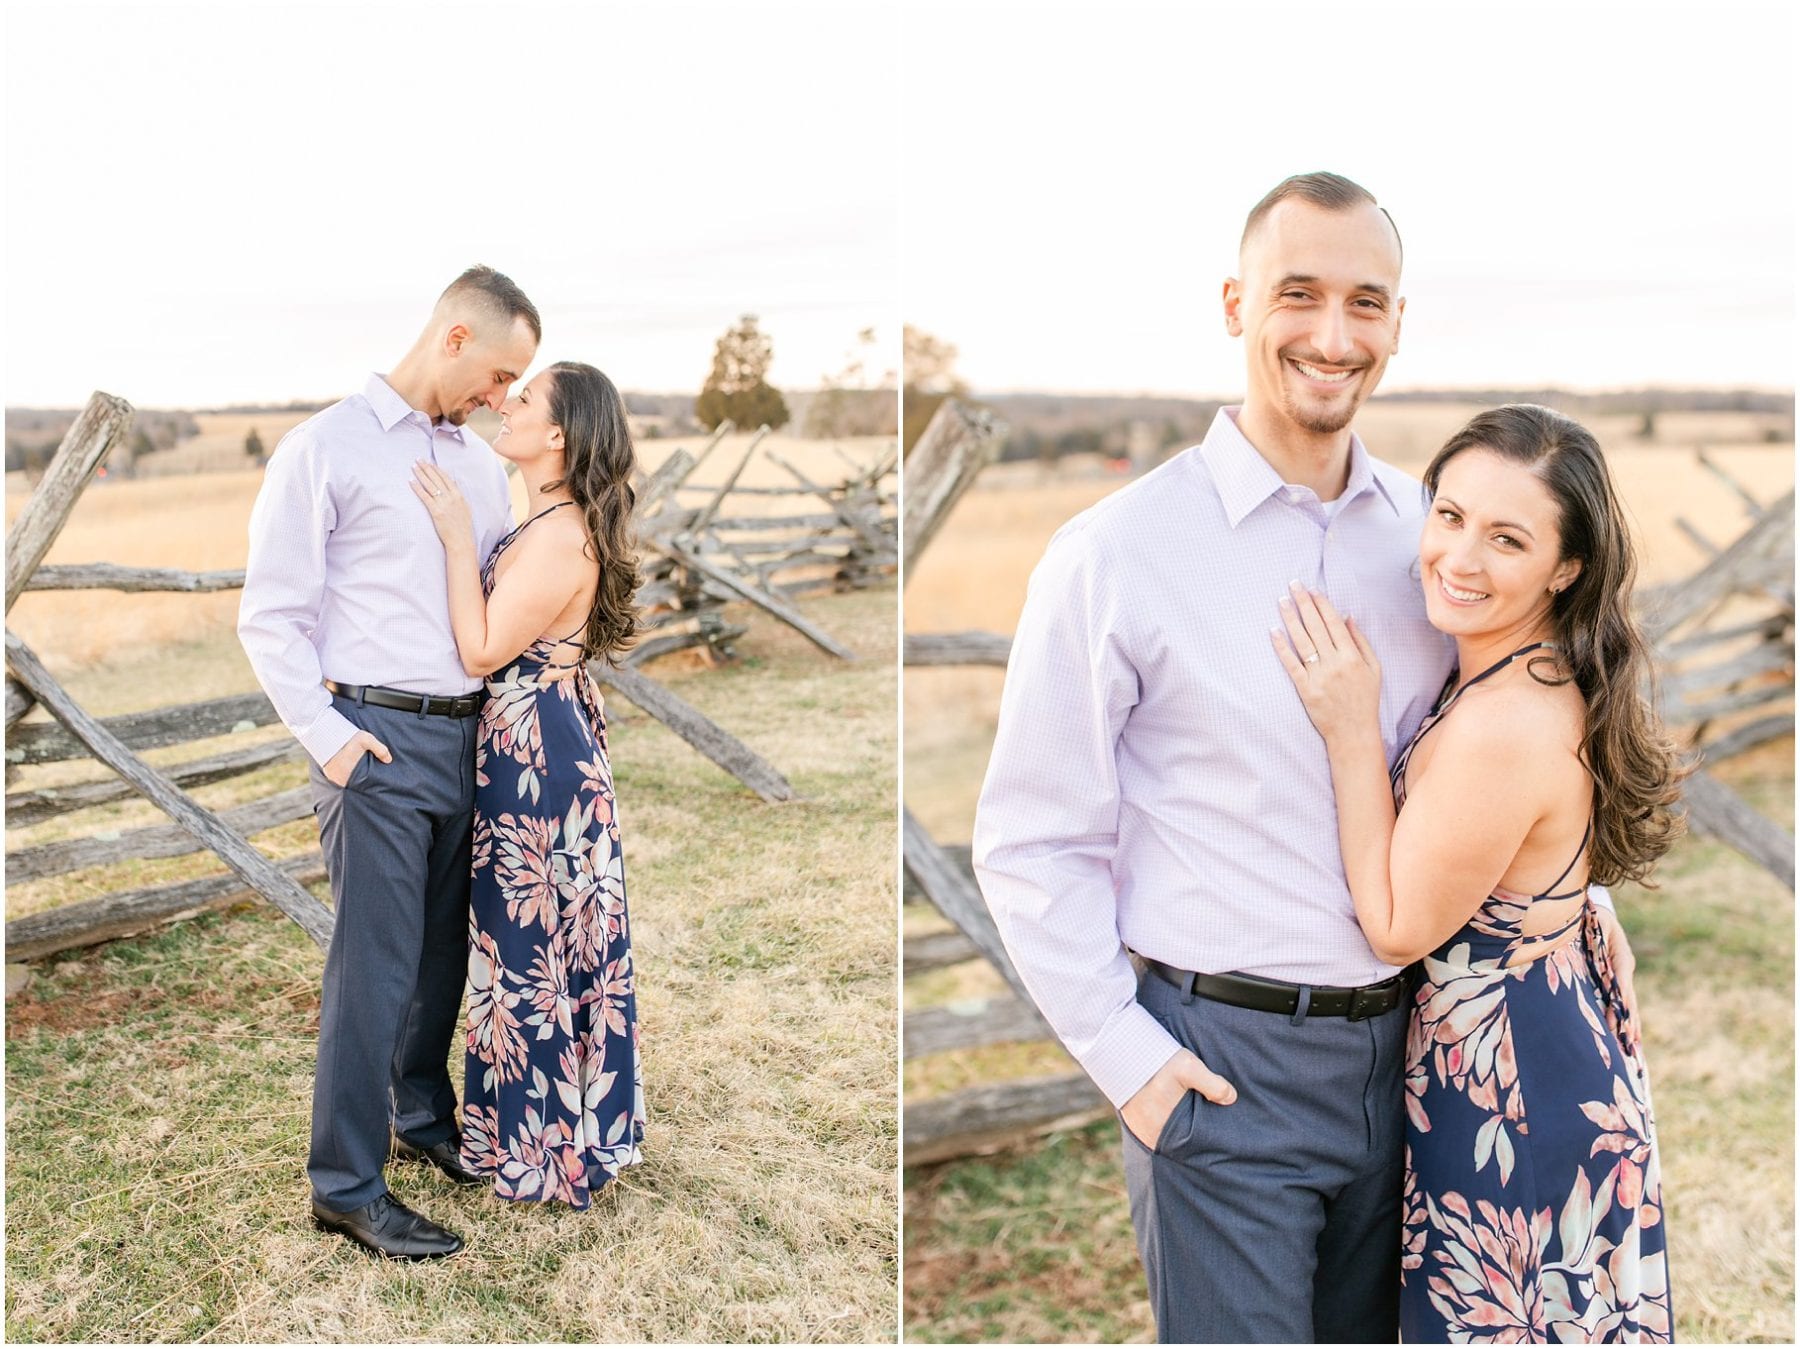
x: 697, y: 560
x: 957, y: 444
x: 1724, y: 647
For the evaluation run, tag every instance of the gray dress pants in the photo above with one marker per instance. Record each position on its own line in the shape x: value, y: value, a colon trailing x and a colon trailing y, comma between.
x: 396, y: 842
x: 1275, y: 1219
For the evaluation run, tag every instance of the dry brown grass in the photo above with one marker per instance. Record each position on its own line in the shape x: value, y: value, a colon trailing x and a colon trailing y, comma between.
x: 157, y: 1090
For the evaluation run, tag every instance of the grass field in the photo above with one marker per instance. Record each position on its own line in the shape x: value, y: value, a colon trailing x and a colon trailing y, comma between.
x: 158, y: 1089
x: 1036, y: 1244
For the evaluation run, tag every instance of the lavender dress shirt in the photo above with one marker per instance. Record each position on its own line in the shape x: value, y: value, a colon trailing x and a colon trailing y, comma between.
x: 1155, y: 783
x: 346, y: 574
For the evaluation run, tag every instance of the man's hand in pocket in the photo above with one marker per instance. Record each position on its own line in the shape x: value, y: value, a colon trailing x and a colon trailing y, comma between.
x: 341, y: 765
x: 1147, y: 1112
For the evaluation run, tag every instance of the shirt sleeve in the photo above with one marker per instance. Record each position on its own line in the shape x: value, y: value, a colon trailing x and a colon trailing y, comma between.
x: 1047, y: 823
x: 284, y: 589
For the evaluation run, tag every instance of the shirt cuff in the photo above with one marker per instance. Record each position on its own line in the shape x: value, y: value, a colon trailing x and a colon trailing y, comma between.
x: 1127, y: 1053
x: 329, y: 733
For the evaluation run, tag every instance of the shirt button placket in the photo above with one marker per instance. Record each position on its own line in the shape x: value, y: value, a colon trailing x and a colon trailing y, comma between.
x: 1334, y: 567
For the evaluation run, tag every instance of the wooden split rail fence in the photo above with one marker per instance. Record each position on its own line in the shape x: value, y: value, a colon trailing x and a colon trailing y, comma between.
x: 1723, y: 642
x: 696, y: 560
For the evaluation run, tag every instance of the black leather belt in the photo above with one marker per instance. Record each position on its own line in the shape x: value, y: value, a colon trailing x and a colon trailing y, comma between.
x: 1272, y: 995
x: 465, y: 705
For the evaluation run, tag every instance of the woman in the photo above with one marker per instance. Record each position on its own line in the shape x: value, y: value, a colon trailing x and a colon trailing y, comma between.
x: 552, y: 1098
x: 1533, y: 1205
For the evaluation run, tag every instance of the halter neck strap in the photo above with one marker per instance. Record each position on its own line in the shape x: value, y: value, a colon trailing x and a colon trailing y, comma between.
x: 1492, y: 670
x: 513, y: 534
x: 541, y: 514
x: 1397, y: 774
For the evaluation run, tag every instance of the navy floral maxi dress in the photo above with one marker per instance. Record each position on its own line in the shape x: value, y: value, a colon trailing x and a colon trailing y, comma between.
x: 1533, y: 1200
x: 553, y: 1103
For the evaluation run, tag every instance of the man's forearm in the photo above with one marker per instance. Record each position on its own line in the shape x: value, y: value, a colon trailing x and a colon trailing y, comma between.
x: 1067, y: 951
x: 287, y: 667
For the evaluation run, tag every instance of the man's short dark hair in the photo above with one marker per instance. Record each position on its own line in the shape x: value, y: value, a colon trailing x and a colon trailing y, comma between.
x: 497, y: 292
x: 1328, y: 191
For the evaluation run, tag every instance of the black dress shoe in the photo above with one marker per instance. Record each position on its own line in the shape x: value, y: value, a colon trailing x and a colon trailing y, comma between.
x: 388, y: 1227
x: 446, y: 1156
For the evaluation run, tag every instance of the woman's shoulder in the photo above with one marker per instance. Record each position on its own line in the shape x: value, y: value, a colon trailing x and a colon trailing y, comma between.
x: 556, y: 531
x: 1520, y: 718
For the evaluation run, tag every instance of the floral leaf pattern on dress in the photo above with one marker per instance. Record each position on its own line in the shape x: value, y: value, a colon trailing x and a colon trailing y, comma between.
x: 1504, y: 1240
x: 1460, y: 1033
x: 553, y: 1089
x: 1532, y: 1210
x: 1484, y: 1282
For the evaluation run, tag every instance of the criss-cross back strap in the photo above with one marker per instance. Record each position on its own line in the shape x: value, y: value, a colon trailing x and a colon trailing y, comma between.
x: 566, y: 664
x: 575, y: 636
x: 1549, y: 890
x: 508, y: 542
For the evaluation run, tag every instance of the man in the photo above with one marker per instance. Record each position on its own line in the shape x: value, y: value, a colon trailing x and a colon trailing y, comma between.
x: 346, y: 623
x: 1156, y: 788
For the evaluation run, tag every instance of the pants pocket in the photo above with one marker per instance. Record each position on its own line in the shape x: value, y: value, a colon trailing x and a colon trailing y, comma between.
x: 359, y: 771
x: 1177, y: 1134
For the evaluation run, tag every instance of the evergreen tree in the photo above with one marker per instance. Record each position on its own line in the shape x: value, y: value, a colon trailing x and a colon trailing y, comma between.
x: 737, y: 386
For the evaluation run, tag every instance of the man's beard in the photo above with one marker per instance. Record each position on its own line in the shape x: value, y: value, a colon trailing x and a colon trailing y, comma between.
x: 457, y: 415
x: 1326, y: 422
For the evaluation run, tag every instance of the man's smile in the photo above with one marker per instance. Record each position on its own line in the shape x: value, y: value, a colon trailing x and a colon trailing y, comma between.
x: 1320, y: 375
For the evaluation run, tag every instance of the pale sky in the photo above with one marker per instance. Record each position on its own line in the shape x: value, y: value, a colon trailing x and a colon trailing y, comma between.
x: 1591, y: 196
x: 236, y: 203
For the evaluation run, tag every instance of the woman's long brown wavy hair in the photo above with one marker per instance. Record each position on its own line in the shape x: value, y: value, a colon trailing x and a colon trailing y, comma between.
x: 1635, y: 768
x: 598, y: 461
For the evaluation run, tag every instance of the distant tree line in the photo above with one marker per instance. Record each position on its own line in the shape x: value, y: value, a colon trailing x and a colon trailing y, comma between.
x: 295, y: 405
x: 1047, y: 425
x: 1631, y: 402
x: 32, y: 434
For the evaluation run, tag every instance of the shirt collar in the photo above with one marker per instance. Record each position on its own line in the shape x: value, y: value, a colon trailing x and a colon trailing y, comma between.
x: 391, y: 409
x: 1244, y: 479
